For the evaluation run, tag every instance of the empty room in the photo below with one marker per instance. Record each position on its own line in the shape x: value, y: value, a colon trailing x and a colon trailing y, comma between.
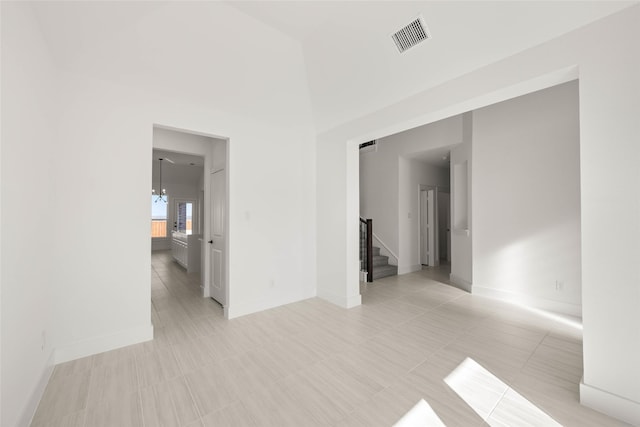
x: 489, y: 149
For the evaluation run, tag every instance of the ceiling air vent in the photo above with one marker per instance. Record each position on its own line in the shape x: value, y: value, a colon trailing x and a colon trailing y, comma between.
x: 412, y: 34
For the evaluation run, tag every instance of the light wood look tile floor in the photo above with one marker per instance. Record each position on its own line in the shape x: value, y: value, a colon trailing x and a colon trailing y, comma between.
x: 314, y: 364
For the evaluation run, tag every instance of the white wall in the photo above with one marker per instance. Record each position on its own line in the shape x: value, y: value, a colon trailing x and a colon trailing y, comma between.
x: 379, y: 184
x: 100, y: 283
x: 28, y: 195
x: 390, y: 183
x: 605, y: 57
x: 462, y: 210
x: 527, y: 227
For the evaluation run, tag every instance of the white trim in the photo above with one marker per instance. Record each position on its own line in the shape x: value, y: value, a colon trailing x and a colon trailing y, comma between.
x: 409, y: 269
x: 610, y: 404
x: 436, y: 227
x: 341, y: 301
x: 461, y: 232
x: 573, y: 310
x: 460, y: 283
x: 103, y: 343
x: 386, y: 247
x: 32, y: 404
x: 232, y: 311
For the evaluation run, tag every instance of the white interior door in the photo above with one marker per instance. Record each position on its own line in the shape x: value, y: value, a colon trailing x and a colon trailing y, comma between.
x: 218, y: 287
x: 449, y: 230
x: 428, y: 223
x: 444, y: 225
x: 424, y: 228
x: 432, y: 228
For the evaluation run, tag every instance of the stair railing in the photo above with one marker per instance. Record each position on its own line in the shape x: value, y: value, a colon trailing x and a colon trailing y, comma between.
x: 366, y: 247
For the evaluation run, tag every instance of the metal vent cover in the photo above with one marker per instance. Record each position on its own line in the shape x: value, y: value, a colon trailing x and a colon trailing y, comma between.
x: 411, y: 34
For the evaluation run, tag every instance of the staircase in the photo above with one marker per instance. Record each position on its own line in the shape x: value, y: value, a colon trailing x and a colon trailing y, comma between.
x: 374, y: 265
x: 381, y: 266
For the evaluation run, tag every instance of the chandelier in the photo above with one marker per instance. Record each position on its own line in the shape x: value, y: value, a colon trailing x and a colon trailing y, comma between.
x: 163, y: 193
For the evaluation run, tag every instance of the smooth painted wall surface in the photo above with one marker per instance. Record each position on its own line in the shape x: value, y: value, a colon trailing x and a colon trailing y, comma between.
x: 527, y: 227
x: 99, y: 284
x: 379, y: 184
x: 28, y: 192
x: 461, y: 208
x: 605, y: 57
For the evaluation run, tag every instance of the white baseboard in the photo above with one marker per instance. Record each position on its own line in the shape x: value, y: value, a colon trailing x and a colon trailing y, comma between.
x: 339, y: 300
x: 610, y: 404
x: 232, y: 311
x: 30, y: 408
x: 572, y: 310
x: 460, y: 283
x: 363, y: 276
x: 409, y: 269
x: 101, y: 344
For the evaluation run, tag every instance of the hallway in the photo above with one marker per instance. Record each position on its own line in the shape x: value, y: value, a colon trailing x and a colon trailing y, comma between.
x: 311, y: 363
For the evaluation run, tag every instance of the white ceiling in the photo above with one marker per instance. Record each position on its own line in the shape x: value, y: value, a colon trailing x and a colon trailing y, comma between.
x: 179, y: 172
x: 438, y: 157
x: 179, y: 159
x: 353, y: 67
x: 194, y: 49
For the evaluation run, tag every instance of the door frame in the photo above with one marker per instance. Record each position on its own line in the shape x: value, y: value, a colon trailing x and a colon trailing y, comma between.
x: 224, y: 301
x: 436, y: 222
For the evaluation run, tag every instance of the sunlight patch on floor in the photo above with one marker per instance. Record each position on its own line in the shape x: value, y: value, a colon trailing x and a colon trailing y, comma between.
x: 566, y: 320
x: 494, y: 401
x: 419, y: 416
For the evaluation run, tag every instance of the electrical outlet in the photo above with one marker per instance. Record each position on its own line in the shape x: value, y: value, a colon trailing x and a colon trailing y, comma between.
x: 44, y: 340
x: 272, y: 283
x: 559, y: 285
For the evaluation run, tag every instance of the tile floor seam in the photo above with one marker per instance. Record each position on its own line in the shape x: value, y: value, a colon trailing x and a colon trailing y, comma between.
x: 142, y: 417
x: 175, y: 409
x: 526, y: 362
x: 504, y: 393
x: 86, y: 404
x: 193, y: 400
x: 139, y: 390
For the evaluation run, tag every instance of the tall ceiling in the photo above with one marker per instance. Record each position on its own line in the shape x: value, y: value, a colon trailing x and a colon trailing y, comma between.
x: 352, y: 66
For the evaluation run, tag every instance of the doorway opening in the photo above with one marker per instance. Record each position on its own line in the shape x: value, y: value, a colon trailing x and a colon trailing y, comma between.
x: 435, y: 226
x: 195, y: 180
